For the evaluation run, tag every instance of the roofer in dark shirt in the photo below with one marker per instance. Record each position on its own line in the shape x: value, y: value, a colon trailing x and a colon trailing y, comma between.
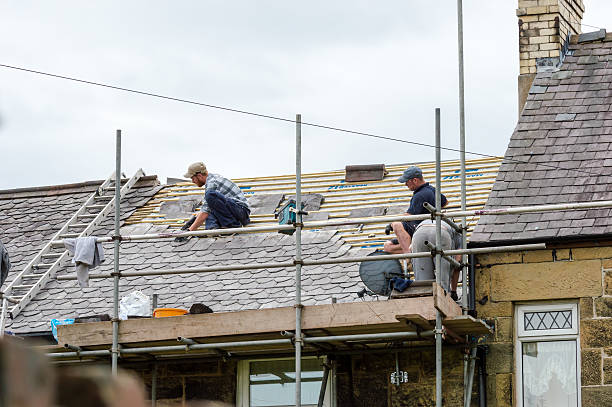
x: 423, y: 192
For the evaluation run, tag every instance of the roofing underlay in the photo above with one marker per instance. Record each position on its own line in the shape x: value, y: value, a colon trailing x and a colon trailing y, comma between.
x: 560, y: 152
x: 30, y: 217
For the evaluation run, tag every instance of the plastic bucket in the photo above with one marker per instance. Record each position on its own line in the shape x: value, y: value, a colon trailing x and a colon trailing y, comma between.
x: 168, y: 312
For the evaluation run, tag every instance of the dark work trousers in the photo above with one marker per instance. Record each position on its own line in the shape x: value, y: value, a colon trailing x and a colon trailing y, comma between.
x: 225, y: 213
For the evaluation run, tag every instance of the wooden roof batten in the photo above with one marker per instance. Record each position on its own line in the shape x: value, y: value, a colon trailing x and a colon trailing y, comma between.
x: 340, y: 197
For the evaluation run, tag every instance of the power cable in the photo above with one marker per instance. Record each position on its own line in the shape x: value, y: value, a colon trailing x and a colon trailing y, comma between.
x: 283, y: 119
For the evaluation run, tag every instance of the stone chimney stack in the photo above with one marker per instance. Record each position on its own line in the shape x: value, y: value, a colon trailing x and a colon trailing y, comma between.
x: 544, y: 26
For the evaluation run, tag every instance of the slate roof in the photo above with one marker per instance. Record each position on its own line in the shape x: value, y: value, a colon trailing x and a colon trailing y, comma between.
x: 30, y: 217
x: 560, y: 152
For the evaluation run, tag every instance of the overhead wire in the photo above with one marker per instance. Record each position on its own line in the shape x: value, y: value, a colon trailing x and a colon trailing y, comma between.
x: 283, y: 119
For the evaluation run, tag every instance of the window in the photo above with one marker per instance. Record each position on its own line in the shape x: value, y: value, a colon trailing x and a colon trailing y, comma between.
x: 271, y: 383
x: 547, y: 354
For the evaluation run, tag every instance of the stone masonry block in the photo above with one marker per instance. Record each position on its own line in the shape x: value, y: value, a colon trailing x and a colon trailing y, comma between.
x: 595, y: 333
x: 483, y: 283
x: 539, y: 54
x: 503, y: 390
x: 608, y: 283
x: 537, y: 10
x: 538, y: 256
x: 591, y: 367
x: 586, y: 308
x: 539, y: 281
x: 503, y: 329
x: 597, y: 396
x: 491, y: 390
x: 539, y: 25
x: 528, y: 19
x: 548, y: 31
x: 539, y: 40
x: 607, y: 264
x: 527, y: 48
x: 603, y: 307
x: 592, y: 253
x: 607, y: 371
x: 563, y: 254
x: 495, y: 309
x: 500, y: 258
x: 500, y: 358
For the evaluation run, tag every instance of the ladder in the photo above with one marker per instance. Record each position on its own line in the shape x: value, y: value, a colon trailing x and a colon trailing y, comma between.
x: 43, y: 267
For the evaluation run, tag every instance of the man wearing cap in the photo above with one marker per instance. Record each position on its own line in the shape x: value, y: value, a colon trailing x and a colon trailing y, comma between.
x: 422, y: 192
x: 224, y: 206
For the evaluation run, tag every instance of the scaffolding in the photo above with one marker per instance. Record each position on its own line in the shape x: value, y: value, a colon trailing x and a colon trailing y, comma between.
x: 297, y: 339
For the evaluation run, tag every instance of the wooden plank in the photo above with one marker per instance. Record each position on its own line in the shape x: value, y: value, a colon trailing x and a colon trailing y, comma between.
x: 413, y: 291
x: 362, y: 316
x: 467, y: 325
x: 416, y: 320
x: 444, y: 303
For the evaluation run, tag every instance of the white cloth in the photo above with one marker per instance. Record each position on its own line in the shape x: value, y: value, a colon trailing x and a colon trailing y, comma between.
x: 87, y: 254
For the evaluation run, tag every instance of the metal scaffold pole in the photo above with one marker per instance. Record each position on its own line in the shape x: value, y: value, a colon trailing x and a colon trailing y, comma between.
x: 462, y: 153
x: 115, y: 347
x: 438, y: 263
x: 298, y: 261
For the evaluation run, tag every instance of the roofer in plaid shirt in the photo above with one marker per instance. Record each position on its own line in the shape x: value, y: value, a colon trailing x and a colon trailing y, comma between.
x: 225, y: 206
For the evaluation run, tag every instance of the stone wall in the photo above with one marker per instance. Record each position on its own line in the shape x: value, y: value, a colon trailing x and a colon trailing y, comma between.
x: 179, y: 382
x: 362, y: 380
x: 582, y: 274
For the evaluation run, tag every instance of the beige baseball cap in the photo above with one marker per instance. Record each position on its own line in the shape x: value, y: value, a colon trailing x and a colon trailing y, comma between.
x: 194, y: 168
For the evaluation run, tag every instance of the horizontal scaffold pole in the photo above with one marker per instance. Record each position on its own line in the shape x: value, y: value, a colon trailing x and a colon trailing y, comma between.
x: 355, y: 221
x: 239, y: 344
x: 306, y: 262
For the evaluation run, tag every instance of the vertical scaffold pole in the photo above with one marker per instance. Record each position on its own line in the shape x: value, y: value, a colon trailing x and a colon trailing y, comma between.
x: 438, y: 264
x: 298, y: 261
x: 464, y: 294
x: 115, y: 347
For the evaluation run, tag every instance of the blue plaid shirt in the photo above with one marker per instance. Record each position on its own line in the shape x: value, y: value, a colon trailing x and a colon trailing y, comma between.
x: 215, y: 182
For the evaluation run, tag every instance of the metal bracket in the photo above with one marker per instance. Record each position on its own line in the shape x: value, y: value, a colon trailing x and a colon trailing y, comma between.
x: 187, y: 341
x: 300, y: 212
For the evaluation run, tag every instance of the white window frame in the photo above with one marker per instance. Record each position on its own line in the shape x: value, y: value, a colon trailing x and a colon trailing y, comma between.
x: 243, y: 391
x: 545, y: 335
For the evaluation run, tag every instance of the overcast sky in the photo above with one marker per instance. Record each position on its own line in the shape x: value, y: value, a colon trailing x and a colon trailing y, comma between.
x: 376, y: 67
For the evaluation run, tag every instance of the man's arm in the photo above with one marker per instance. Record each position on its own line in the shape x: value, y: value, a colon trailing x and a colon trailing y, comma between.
x: 200, y: 219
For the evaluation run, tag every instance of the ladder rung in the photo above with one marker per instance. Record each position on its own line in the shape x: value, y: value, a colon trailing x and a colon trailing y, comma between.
x: 23, y: 287
x: 55, y: 255
x: 32, y: 275
x: 42, y: 266
x: 69, y: 235
x: 96, y: 206
x: 78, y: 225
x: 104, y: 198
x: 87, y: 215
